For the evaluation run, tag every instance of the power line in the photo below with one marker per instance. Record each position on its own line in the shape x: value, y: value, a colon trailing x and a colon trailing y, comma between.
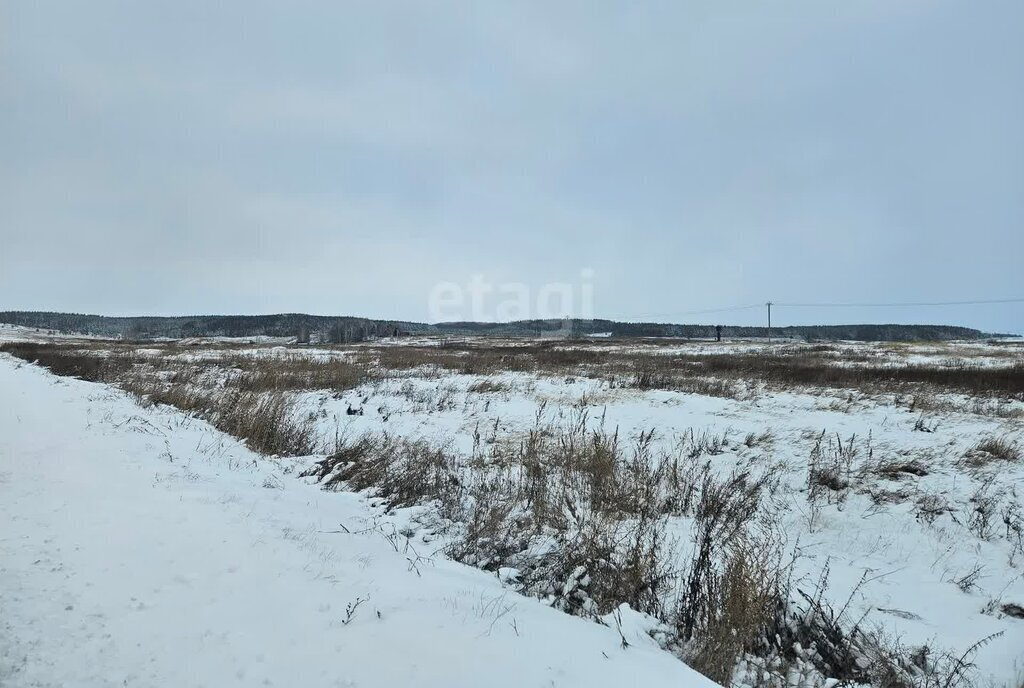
x: 907, y: 304
x: 896, y: 305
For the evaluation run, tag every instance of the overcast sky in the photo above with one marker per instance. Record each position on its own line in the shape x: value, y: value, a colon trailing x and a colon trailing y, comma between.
x: 346, y: 157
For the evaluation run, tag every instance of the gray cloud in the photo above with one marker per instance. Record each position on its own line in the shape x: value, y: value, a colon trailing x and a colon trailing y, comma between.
x: 344, y: 158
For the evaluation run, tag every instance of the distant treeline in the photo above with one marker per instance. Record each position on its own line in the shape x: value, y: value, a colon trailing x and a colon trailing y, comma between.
x: 877, y: 333
x: 338, y: 329
x: 303, y: 327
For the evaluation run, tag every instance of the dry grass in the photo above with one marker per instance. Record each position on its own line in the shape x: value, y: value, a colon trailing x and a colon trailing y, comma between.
x: 489, y: 385
x: 994, y: 407
x: 809, y: 370
x: 406, y: 472
x: 294, y: 372
x: 896, y: 469
x: 715, y: 374
x: 68, y: 360
x: 578, y: 510
x: 268, y: 422
x: 992, y: 449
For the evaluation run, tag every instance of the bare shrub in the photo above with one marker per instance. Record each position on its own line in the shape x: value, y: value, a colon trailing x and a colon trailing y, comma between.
x: 722, y: 512
x: 839, y: 648
x: 496, y: 528
x: 930, y: 507
x: 648, y: 376
x: 1013, y: 520
x: 746, y: 597
x: 829, y: 468
x: 600, y: 563
x: 981, y: 520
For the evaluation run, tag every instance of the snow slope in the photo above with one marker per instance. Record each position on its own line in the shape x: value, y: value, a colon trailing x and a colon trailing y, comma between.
x: 139, y: 547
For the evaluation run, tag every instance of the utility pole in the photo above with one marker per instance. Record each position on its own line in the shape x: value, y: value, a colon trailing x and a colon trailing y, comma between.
x: 769, y: 304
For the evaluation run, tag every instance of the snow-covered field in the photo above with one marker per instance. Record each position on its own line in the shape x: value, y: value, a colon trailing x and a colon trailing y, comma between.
x: 146, y: 546
x: 141, y: 547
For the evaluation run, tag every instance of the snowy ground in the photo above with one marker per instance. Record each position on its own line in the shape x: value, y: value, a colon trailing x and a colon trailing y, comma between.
x: 902, y: 573
x: 140, y: 547
x: 922, y: 543
x: 18, y: 333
